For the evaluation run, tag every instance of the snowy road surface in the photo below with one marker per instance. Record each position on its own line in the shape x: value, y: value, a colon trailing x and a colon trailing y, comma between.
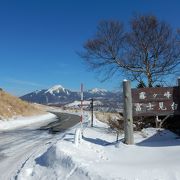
x: 154, y: 156
x: 19, y: 145
x: 40, y: 153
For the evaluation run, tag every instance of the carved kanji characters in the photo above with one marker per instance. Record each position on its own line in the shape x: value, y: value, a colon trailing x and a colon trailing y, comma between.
x: 150, y: 107
x: 138, y: 106
x: 174, y: 106
x: 167, y: 94
x: 142, y: 95
x: 161, y: 106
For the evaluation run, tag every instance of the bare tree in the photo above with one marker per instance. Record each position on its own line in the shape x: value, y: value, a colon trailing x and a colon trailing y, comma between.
x: 103, y: 51
x: 153, y: 46
x: 146, y: 53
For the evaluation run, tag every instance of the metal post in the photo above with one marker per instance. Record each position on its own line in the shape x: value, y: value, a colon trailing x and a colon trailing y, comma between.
x: 178, y: 80
x: 81, y: 120
x: 157, y: 120
x: 128, y: 119
x: 92, y: 109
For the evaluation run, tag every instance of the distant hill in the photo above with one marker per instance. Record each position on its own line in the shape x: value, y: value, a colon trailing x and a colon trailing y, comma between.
x: 12, y: 106
x: 58, y: 95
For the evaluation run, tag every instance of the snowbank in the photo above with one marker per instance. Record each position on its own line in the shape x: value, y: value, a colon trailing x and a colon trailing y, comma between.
x: 17, y: 122
x: 155, y: 156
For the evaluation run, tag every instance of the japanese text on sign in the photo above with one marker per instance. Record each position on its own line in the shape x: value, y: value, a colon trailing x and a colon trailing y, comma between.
x: 156, y: 101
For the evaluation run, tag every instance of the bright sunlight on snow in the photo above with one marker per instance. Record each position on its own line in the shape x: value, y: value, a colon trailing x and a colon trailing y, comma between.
x: 155, y: 156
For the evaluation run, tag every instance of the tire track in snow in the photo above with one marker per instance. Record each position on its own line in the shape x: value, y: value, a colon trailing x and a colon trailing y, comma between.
x: 22, y: 145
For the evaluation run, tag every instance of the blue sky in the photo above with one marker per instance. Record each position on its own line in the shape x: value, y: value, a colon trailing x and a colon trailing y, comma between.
x: 39, y: 39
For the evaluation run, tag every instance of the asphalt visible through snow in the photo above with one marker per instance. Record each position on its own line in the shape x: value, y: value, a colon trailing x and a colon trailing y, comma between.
x: 19, y: 145
x: 64, y: 122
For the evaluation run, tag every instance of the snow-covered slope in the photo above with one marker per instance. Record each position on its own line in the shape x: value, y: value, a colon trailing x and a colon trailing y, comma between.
x: 18, y: 122
x: 155, y: 156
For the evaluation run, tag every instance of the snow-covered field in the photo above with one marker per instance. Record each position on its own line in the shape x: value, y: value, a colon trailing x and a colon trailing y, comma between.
x: 76, y: 104
x: 155, y: 156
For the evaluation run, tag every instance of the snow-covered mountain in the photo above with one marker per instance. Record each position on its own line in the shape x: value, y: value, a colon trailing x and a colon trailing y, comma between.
x: 58, y: 89
x: 54, y: 95
x: 98, y: 91
x: 60, y: 95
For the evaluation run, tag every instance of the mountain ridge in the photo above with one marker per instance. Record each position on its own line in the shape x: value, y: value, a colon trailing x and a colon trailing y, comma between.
x: 59, y: 95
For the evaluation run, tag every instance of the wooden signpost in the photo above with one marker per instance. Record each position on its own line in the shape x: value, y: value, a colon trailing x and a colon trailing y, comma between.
x: 128, y: 119
x: 160, y: 101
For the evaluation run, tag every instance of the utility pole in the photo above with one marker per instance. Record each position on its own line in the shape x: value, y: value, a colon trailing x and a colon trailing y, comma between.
x: 92, y: 109
x: 128, y: 119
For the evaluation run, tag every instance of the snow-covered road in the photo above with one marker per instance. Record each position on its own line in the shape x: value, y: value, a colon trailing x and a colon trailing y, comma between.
x: 32, y: 153
x: 19, y: 145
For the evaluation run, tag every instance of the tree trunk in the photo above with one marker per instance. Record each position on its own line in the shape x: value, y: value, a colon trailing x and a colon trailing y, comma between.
x: 150, y: 81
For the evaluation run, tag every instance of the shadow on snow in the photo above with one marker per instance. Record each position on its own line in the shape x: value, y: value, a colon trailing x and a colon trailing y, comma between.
x: 161, y: 138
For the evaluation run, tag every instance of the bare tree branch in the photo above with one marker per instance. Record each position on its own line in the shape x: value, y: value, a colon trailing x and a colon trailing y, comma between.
x: 149, y: 51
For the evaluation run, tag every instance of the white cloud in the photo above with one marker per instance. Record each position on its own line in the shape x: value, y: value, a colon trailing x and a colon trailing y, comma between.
x: 22, y: 82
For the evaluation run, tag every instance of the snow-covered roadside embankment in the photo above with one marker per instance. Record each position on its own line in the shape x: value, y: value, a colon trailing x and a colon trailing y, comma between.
x: 18, y: 122
x: 154, y: 156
